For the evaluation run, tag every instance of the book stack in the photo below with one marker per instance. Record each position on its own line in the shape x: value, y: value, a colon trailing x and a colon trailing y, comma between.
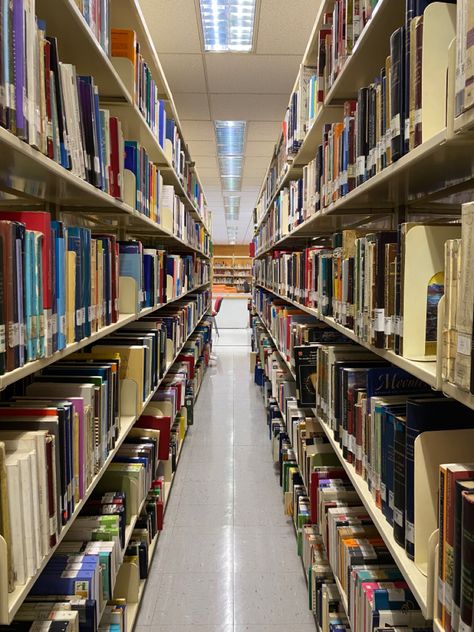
x: 376, y: 413
x: 337, y: 37
x: 62, y: 284
x: 353, y: 581
x: 151, y: 277
x: 97, y: 15
x: 57, y: 432
x: 385, y: 120
x: 51, y: 107
x: 456, y: 488
x: 379, y: 284
x: 297, y: 115
x: 127, y: 56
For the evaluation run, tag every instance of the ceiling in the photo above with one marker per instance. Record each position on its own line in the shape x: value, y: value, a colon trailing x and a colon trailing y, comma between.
x: 253, y: 87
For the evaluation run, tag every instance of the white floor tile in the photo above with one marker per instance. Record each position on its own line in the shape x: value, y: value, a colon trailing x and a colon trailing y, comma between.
x: 227, y: 559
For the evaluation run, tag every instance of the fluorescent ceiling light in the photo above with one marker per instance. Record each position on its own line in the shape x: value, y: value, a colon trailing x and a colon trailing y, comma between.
x: 230, y: 136
x: 227, y: 25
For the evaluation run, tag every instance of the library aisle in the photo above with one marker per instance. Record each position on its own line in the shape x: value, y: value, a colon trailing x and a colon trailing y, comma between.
x: 227, y: 555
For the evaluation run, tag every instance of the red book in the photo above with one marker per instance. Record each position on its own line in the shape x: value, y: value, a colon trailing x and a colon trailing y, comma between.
x: 41, y: 222
x: 317, y: 475
x: 163, y: 424
x: 115, y: 149
x: 190, y: 363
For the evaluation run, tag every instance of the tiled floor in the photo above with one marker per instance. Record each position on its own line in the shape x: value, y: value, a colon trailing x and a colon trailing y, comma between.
x: 226, y: 561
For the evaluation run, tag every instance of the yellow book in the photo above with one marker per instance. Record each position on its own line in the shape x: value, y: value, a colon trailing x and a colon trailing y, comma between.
x: 70, y: 296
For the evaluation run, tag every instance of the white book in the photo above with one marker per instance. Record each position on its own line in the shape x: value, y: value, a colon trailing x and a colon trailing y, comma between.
x: 16, y: 441
x: 29, y: 500
x: 16, y: 517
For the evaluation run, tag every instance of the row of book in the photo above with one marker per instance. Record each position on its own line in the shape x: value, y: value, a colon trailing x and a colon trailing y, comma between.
x: 61, y: 284
x: 336, y: 38
x: 464, y: 57
x: 125, y: 46
x: 383, y: 285
x: 275, y: 170
x: 376, y: 413
x: 353, y: 581
x: 59, y: 427
x: 58, y: 112
x: 291, y: 326
x: 384, y: 123
x: 97, y: 15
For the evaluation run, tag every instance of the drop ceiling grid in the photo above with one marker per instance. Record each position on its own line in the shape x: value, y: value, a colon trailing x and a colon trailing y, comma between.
x: 253, y: 87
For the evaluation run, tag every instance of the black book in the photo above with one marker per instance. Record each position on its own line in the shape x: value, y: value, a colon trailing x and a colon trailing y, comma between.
x: 306, y: 372
x: 399, y: 433
x: 397, y: 48
x: 362, y: 135
x: 62, y: 129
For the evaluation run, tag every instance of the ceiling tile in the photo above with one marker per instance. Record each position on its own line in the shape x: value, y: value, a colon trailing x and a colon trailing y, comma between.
x: 270, y: 74
x: 204, y: 162
x: 245, y: 107
x: 185, y: 73
x: 263, y: 130
x: 284, y: 27
x: 192, y: 106
x: 202, y: 148
x: 198, y: 130
x: 173, y: 25
x: 260, y: 149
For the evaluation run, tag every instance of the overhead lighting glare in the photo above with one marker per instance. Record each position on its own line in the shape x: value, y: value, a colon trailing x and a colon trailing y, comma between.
x: 230, y: 136
x: 227, y: 25
x: 230, y: 141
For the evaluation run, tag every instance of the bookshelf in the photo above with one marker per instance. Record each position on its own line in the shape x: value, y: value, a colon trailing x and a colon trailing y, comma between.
x: 31, y: 180
x: 11, y: 602
x: 419, y: 582
x: 428, y: 183
x: 231, y: 271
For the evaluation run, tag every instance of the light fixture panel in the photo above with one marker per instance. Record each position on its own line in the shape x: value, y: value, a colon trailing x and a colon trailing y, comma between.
x: 227, y: 25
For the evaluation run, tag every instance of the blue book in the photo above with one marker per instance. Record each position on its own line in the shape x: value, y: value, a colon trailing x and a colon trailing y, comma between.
x: 66, y: 584
x: 130, y: 265
x: 59, y: 241
x: 148, y: 280
x: 31, y: 306
x: 162, y: 123
x: 19, y: 68
x: 131, y: 164
x: 103, y: 150
x: 74, y: 244
x: 386, y: 475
